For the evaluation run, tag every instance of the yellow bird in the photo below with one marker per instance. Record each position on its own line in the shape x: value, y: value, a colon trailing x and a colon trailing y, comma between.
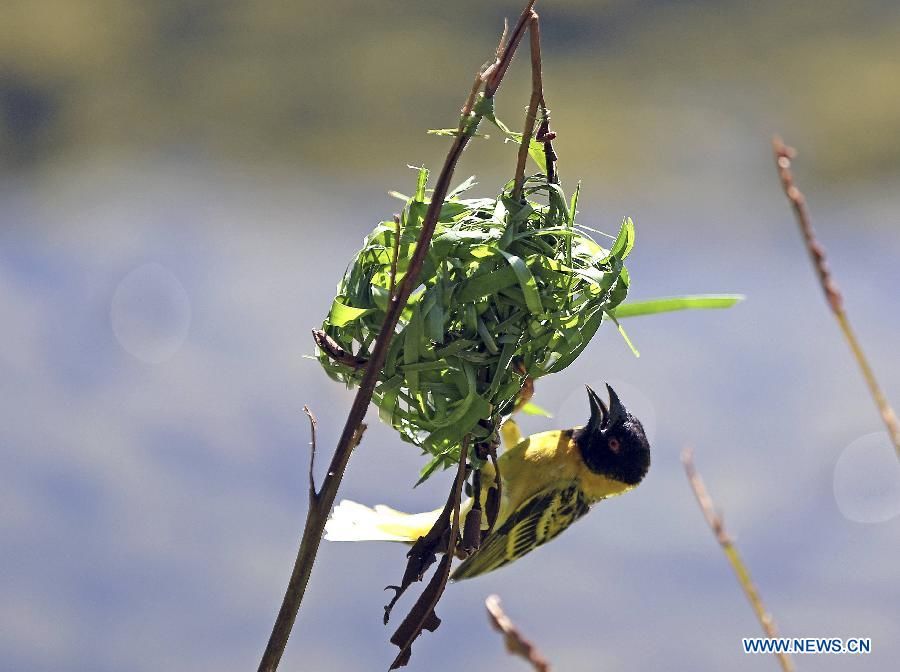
x: 549, y: 480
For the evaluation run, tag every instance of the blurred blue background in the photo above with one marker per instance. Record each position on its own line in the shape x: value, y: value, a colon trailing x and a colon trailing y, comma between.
x: 181, y: 187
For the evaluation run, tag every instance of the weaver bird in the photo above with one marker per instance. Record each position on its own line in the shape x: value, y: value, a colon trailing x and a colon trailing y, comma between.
x: 549, y: 480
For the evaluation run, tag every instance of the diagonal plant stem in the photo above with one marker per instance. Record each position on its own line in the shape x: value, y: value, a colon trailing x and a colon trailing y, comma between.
x: 544, y: 134
x: 783, y: 156
x: 515, y: 642
x: 322, y: 501
x: 537, y: 98
x: 493, y: 76
x: 330, y: 347
x: 313, y: 424
x: 731, y: 553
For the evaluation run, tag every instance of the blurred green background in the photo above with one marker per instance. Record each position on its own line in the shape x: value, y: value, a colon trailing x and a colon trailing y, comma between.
x: 182, y: 184
x: 337, y: 83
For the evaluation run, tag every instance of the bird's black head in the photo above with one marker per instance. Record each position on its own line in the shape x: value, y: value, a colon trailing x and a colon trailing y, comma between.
x: 613, y: 442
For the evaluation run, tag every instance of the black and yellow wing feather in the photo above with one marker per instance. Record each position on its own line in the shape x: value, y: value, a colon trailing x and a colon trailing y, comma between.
x: 537, y: 521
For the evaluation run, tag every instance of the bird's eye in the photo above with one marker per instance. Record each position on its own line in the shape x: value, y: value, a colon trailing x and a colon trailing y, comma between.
x: 614, y: 445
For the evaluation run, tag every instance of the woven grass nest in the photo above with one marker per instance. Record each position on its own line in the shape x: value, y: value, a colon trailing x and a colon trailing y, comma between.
x: 509, y: 289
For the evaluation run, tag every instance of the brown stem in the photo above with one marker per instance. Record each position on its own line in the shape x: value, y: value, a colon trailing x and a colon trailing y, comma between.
x: 471, y: 538
x: 352, y: 432
x: 335, y: 352
x: 783, y: 156
x: 545, y: 135
x: 313, y: 423
x: 494, y: 495
x: 424, y: 551
x: 497, y: 73
x: 515, y: 642
x: 537, y: 95
x: 422, y: 616
x: 731, y: 553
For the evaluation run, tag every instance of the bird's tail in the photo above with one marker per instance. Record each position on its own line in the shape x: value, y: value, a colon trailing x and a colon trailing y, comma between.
x: 355, y: 522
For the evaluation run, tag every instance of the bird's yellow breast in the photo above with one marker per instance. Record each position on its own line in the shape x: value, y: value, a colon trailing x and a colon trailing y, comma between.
x: 545, y: 459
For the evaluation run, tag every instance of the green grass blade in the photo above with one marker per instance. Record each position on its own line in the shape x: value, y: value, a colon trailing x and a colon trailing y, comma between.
x: 341, y: 314
x: 526, y: 282
x: 673, y: 303
x: 533, y: 409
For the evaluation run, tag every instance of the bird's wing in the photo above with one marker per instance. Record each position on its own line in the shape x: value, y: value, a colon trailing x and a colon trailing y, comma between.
x: 537, y: 521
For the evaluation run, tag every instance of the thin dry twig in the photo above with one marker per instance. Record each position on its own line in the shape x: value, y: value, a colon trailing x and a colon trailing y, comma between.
x: 492, y: 82
x: 731, y: 553
x: 471, y: 538
x: 494, y: 495
x: 537, y: 96
x: 783, y: 156
x: 352, y: 432
x: 543, y: 134
x: 332, y: 348
x: 516, y: 644
x: 422, y: 615
x: 313, y: 423
x: 423, y: 552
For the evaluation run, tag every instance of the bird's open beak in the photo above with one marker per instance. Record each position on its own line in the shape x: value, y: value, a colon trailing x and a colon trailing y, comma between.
x: 599, y: 412
x: 616, y: 409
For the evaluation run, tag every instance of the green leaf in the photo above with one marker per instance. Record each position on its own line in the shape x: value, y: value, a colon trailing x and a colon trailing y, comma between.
x: 452, y: 132
x: 536, y: 152
x: 533, y: 409
x: 421, y: 181
x: 588, y: 330
x: 574, y: 205
x: 535, y: 148
x: 526, y: 282
x: 486, y: 284
x: 467, y: 184
x: 432, y: 466
x: 463, y: 407
x: 389, y: 393
x: 573, y: 208
x: 624, y: 335
x: 412, y: 343
x: 486, y: 338
x: 480, y: 409
x: 624, y: 241
x: 341, y: 314
x: 672, y: 303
